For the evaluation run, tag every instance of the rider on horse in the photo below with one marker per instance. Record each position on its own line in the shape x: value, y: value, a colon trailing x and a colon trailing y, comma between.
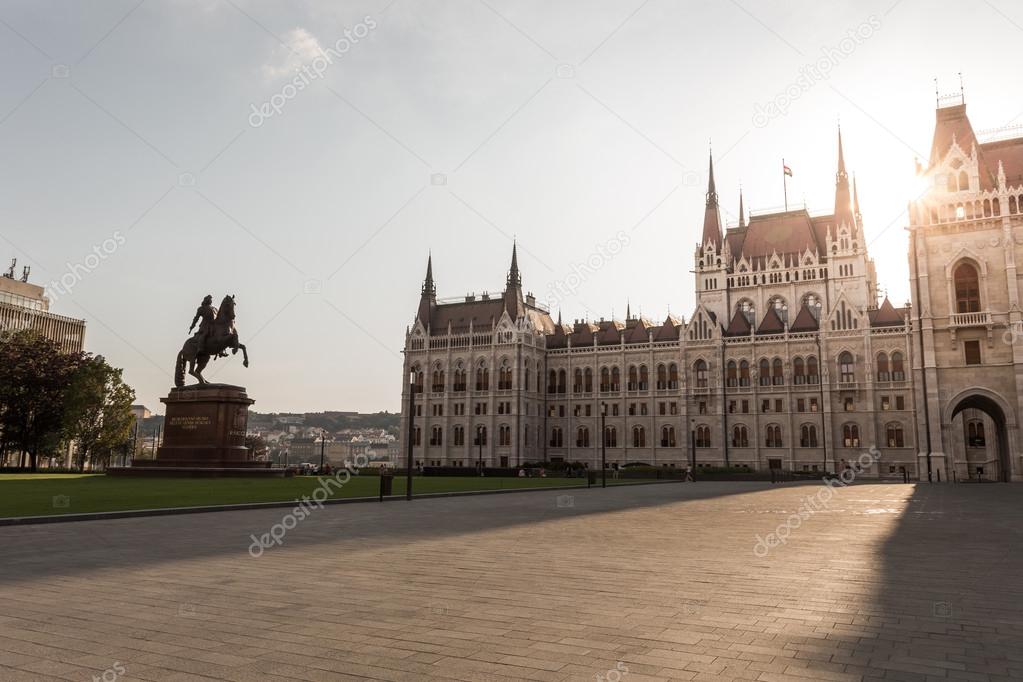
x: 207, y: 313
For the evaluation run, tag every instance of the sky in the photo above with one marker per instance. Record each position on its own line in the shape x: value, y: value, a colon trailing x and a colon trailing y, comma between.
x: 307, y: 156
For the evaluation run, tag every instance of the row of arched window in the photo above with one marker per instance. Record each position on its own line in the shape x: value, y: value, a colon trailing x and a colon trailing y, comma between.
x: 639, y: 440
x: 895, y: 437
x: 611, y: 379
x: 770, y: 372
x: 504, y: 435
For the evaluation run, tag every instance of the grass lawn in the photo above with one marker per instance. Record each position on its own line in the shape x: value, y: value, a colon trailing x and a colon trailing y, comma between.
x: 44, y: 494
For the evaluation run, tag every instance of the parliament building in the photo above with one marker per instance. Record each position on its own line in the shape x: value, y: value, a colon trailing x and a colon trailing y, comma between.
x: 790, y: 360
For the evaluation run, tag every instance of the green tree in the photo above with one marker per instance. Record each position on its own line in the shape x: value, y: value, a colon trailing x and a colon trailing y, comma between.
x: 34, y: 378
x: 98, y: 415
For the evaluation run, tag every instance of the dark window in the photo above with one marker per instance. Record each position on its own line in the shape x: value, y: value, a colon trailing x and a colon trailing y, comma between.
x: 972, y: 352
x: 967, y: 286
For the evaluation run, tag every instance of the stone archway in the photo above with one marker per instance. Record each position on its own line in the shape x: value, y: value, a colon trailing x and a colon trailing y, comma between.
x: 992, y: 407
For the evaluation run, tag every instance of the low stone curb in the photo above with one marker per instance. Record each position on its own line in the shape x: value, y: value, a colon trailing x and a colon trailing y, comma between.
x: 136, y: 513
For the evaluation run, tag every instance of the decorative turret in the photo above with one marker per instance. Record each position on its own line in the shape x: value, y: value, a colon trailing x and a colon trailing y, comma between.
x: 513, y: 301
x: 711, y: 216
x: 428, y: 299
x: 843, y: 200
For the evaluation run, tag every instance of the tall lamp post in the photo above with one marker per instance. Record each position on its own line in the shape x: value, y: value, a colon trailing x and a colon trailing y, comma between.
x: 411, y: 434
x: 692, y: 449
x: 603, y: 446
x: 479, y: 443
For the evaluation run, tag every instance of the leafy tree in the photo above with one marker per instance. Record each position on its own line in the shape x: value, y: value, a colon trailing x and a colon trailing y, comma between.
x: 34, y: 378
x: 257, y: 444
x: 98, y: 413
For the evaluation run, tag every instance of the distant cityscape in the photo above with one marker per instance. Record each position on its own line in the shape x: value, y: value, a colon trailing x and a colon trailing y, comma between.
x: 294, y: 438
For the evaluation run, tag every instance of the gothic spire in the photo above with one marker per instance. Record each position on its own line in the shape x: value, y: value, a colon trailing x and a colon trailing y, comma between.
x: 856, y: 201
x: 429, y: 288
x: 843, y: 201
x: 711, y: 217
x: 742, y: 213
x: 514, y: 278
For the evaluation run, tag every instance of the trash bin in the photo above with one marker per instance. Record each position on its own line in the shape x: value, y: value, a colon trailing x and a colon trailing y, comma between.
x: 386, y: 482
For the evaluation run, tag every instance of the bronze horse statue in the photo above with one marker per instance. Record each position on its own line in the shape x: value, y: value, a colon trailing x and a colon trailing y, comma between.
x: 199, y: 348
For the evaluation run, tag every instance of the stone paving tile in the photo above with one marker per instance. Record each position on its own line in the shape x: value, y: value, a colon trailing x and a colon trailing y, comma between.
x: 888, y: 582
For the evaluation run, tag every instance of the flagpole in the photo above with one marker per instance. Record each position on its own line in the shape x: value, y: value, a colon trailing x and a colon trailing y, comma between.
x: 785, y: 184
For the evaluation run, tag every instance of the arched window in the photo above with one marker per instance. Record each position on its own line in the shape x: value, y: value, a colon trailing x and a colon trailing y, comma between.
x: 436, y: 435
x: 588, y: 380
x: 743, y: 373
x: 808, y: 436
x: 504, y: 378
x: 740, y: 436
x: 895, y: 436
x: 552, y: 381
x: 765, y: 372
x: 557, y: 438
x: 662, y: 377
x: 668, y: 437
x: 610, y: 437
x: 418, y: 381
x: 798, y: 371
x: 633, y: 379
x: 458, y: 435
x: 851, y: 435
x: 460, y: 380
x: 812, y: 372
x: 638, y: 437
x: 975, y: 433
x: 673, y: 376
x: 482, y: 378
x: 481, y: 436
x: 616, y: 379
x: 813, y: 304
x: 777, y: 372
x: 748, y: 310
x: 732, y: 373
x: 846, y: 368
x: 964, y: 182
x: 703, y: 436
x: 504, y: 436
x: 644, y: 378
x: 772, y: 436
x: 437, y: 386
x: 883, y: 373
x: 582, y: 437
x: 780, y: 307
x: 577, y: 381
x: 898, y: 369
x: 605, y: 380
x: 967, y: 288
x: 700, y: 369
x: 417, y: 436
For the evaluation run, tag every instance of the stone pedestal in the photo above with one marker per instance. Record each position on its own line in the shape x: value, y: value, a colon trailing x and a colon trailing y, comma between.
x: 203, y: 435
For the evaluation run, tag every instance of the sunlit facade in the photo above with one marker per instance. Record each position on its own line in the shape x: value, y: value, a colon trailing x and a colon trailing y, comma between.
x: 23, y: 305
x: 966, y: 238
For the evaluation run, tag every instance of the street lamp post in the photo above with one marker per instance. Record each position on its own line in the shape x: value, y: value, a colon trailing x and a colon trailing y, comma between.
x: 692, y: 449
x: 323, y: 444
x: 411, y: 434
x: 479, y: 443
x: 603, y: 445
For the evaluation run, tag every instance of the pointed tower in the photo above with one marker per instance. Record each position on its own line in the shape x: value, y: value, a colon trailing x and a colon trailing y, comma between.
x: 513, y: 301
x: 843, y: 200
x: 742, y: 212
x: 711, y: 216
x: 856, y: 204
x: 428, y: 299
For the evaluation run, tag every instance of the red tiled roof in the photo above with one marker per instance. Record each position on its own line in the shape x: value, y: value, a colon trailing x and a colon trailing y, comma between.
x: 739, y: 326
x: 771, y: 324
x: 781, y: 233
x: 805, y: 321
x: 885, y: 316
x: 1010, y: 153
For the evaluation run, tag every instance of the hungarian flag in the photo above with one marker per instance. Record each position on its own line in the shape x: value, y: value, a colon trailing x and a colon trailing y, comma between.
x: 786, y: 170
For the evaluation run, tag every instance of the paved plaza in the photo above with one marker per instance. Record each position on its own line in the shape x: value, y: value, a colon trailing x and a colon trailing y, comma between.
x: 670, y: 581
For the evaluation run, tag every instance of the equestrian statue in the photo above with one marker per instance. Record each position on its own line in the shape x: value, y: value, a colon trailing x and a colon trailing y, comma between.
x: 216, y: 333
